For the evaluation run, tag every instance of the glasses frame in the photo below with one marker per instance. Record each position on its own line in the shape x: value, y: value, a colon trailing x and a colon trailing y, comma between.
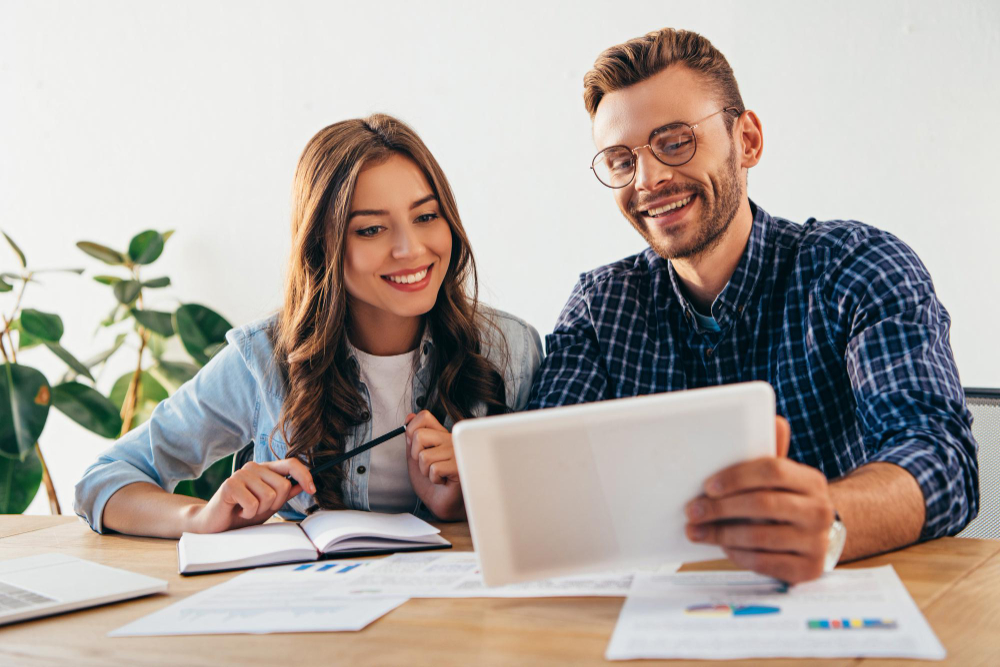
x: 635, y: 151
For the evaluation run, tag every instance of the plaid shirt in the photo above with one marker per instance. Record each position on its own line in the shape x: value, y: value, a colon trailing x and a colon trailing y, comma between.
x: 840, y: 318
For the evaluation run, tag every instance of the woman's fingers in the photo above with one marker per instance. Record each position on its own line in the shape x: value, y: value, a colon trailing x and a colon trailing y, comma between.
x: 234, y: 493
x: 266, y: 494
x: 443, y: 471
x: 283, y: 487
x: 423, y: 420
x: 424, y: 438
x: 427, y: 457
x: 297, y: 469
x: 261, y: 489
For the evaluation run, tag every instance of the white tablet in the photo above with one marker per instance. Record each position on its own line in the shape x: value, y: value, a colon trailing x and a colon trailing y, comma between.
x: 603, y: 485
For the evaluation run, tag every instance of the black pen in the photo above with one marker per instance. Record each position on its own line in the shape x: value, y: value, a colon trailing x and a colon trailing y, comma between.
x: 337, y: 460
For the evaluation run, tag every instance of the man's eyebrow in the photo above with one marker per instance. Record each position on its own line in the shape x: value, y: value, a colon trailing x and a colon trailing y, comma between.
x: 371, y: 211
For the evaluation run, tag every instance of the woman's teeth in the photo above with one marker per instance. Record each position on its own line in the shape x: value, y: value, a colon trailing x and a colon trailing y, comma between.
x: 412, y: 278
x: 653, y: 212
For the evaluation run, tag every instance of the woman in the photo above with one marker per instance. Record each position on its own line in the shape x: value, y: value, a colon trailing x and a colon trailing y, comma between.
x: 380, y: 325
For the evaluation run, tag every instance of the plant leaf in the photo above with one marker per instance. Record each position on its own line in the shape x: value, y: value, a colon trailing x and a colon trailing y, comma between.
x: 20, y: 255
x: 5, y: 286
x: 202, y: 331
x: 172, y: 374
x: 108, y: 280
x: 97, y: 358
x: 167, y: 234
x: 88, y: 408
x: 205, y: 486
x: 44, y: 326
x: 156, y: 344
x: 24, y: 406
x: 76, y: 271
x: 155, y: 320
x: 157, y: 282
x: 70, y: 360
x: 145, y: 247
x: 111, y: 318
x: 19, y: 482
x: 126, y: 291
x: 24, y: 339
x: 151, y: 393
x: 102, y: 252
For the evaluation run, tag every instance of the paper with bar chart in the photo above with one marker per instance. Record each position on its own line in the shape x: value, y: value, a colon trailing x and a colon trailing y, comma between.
x: 730, y: 615
x: 303, y: 599
x: 452, y: 575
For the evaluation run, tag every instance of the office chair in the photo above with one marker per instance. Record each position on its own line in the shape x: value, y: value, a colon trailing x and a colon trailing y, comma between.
x: 985, y: 407
x: 244, y: 456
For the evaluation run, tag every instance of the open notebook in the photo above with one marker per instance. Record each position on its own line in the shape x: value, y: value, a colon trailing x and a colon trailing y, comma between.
x: 323, y: 534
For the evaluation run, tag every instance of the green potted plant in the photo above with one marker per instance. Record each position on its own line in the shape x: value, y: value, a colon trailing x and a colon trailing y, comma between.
x: 26, y: 395
x: 200, y: 330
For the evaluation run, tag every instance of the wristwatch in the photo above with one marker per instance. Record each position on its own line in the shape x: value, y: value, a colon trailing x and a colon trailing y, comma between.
x: 835, y: 547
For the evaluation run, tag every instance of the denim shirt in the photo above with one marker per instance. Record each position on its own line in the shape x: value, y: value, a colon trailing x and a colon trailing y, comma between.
x: 236, y: 399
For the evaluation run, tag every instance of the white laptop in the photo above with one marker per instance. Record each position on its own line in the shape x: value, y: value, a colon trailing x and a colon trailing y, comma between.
x: 54, y: 583
x: 602, y: 486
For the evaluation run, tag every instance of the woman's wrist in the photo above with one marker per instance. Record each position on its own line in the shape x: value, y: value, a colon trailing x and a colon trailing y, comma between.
x: 446, y: 504
x: 190, y: 516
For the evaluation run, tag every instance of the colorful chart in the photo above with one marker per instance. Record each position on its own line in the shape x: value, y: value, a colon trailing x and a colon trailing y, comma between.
x: 728, y: 610
x: 327, y: 567
x: 852, y: 624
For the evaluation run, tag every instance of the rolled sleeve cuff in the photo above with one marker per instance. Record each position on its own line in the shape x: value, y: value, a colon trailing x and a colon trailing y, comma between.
x: 98, y: 485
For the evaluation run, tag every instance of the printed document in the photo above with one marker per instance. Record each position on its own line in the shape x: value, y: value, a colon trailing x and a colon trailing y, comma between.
x: 728, y: 615
x: 450, y: 575
x: 249, y: 605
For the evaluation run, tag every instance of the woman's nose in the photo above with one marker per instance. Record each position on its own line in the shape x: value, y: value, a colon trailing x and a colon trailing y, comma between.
x: 406, y: 243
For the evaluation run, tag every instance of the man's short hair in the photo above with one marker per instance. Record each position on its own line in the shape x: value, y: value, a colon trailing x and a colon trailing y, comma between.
x: 638, y: 59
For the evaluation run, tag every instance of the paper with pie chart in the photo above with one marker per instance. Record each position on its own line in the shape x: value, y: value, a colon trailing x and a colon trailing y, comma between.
x: 732, y: 615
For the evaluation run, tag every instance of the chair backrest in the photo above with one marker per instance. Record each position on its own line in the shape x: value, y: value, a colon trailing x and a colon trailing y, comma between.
x: 243, y: 456
x: 985, y: 407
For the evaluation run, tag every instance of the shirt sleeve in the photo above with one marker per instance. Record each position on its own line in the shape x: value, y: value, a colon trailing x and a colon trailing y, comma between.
x: 573, y: 370
x: 208, y: 418
x: 909, y: 398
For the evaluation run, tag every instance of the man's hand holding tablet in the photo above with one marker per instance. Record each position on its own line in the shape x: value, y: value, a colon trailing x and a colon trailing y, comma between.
x: 771, y: 515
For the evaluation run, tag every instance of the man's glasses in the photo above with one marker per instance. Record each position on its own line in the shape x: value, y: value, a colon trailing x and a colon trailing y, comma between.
x: 672, y: 144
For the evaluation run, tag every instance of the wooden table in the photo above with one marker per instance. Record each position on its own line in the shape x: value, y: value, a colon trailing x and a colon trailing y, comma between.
x: 955, y: 582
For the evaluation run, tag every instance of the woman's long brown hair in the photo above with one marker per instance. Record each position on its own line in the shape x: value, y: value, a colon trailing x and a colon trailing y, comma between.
x: 322, y: 404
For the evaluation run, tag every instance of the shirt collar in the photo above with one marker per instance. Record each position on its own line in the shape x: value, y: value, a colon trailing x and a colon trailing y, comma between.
x: 735, y: 296
x: 425, y: 348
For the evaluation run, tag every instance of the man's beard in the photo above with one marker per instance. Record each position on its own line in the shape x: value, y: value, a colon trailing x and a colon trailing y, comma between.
x: 714, y: 221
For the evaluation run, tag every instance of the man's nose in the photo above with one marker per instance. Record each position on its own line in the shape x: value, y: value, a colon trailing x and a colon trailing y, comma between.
x: 650, y: 173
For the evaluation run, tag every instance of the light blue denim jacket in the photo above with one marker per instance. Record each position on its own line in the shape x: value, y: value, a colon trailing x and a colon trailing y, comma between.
x: 236, y: 398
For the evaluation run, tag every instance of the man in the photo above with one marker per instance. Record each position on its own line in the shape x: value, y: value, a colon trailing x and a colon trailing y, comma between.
x: 839, y: 317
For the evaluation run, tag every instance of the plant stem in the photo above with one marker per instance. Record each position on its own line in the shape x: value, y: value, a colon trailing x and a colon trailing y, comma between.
x: 17, y: 303
x: 132, y: 395
x: 3, y: 348
x: 50, y: 488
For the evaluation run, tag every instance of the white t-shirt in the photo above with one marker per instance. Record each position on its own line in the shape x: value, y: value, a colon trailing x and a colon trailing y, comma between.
x: 390, y: 384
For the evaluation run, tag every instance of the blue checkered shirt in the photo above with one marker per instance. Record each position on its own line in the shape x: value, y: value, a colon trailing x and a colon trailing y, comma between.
x: 840, y: 318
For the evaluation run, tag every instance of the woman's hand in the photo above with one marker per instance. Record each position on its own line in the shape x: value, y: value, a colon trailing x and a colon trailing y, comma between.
x: 251, y: 495
x: 432, y: 466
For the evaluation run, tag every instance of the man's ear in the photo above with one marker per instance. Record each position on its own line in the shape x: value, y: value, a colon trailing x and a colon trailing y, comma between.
x: 749, y: 136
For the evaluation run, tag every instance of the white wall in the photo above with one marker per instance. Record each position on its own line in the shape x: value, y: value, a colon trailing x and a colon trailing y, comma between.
x: 121, y: 116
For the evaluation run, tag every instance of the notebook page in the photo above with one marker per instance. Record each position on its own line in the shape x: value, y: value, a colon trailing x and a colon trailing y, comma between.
x: 327, y: 528
x: 253, y: 545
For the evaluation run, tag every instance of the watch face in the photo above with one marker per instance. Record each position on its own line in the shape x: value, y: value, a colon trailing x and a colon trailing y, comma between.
x: 838, y: 537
